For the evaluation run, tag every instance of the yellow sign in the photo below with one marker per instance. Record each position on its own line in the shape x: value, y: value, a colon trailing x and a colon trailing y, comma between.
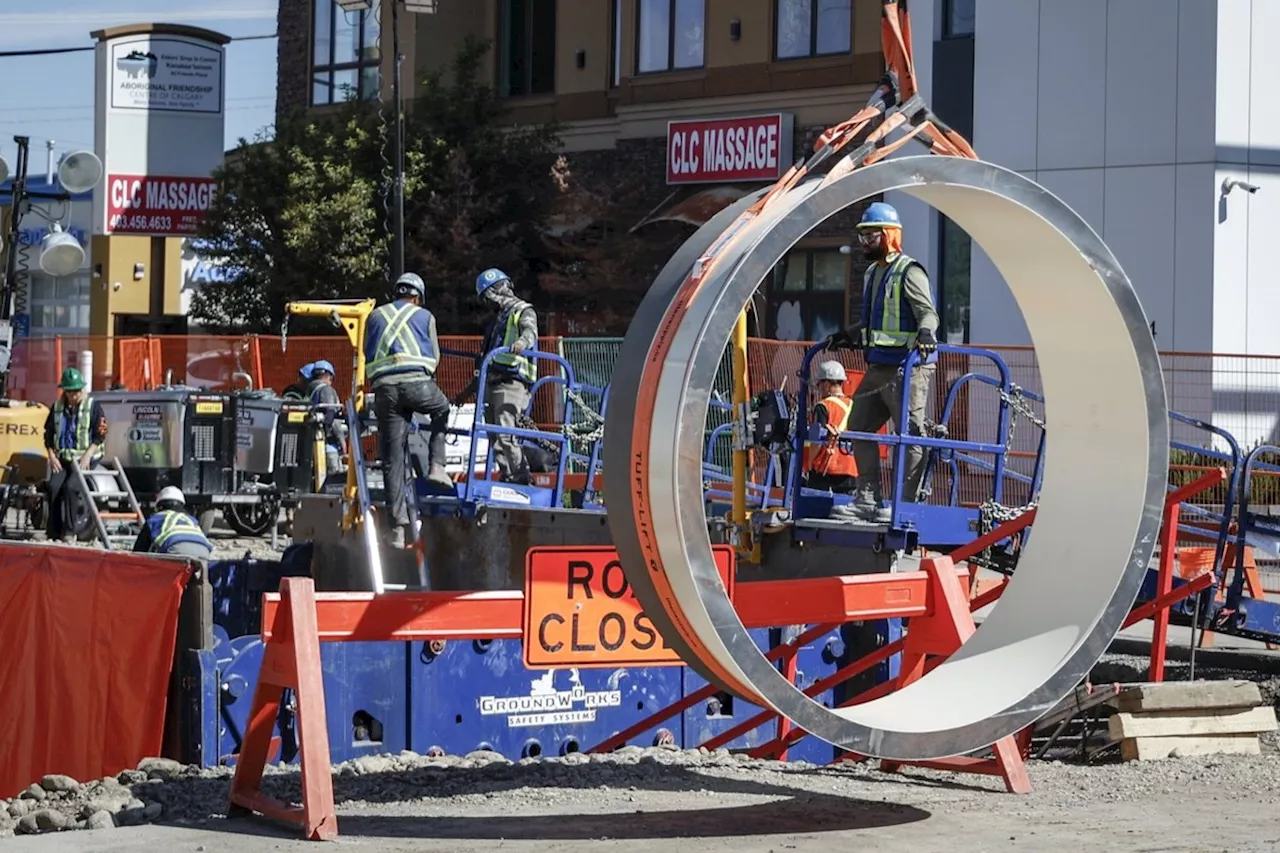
x: 208, y: 408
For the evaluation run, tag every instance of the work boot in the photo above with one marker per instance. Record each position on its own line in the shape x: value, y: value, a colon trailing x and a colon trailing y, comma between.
x: 867, y: 507
x: 438, y: 476
x: 395, y: 539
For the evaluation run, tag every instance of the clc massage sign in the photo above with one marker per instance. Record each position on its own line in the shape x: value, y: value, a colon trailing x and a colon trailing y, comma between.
x: 749, y: 148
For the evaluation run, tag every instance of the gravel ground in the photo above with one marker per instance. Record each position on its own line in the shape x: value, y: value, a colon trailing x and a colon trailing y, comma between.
x: 645, y: 799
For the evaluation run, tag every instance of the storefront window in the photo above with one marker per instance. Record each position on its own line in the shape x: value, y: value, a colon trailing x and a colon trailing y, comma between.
x: 958, y: 18
x: 345, y: 55
x: 954, y: 271
x: 807, y: 295
x: 670, y: 34
x: 812, y: 28
x: 58, y: 306
x: 527, y: 46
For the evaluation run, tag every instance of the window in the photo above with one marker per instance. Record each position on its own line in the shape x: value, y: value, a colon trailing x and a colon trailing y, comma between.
x: 812, y: 28
x: 958, y: 18
x: 807, y: 295
x: 60, y: 305
x: 615, y: 49
x: 955, y: 249
x: 345, y: 55
x: 527, y: 47
x: 670, y: 35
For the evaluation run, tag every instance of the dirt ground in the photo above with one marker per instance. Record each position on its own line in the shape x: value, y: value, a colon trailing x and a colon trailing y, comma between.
x: 656, y: 799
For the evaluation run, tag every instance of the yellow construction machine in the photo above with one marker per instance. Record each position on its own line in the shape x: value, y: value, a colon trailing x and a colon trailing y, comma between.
x: 25, y: 466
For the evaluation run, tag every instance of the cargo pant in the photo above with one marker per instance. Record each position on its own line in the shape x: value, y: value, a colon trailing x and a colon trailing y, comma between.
x: 505, y: 400
x: 394, y: 405
x: 878, y: 400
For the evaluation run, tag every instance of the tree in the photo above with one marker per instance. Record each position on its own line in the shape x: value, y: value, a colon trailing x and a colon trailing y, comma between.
x: 305, y: 215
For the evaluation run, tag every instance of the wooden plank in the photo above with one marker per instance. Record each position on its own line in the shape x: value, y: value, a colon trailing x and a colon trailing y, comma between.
x: 1156, y: 748
x: 1190, y: 695
x: 1178, y: 723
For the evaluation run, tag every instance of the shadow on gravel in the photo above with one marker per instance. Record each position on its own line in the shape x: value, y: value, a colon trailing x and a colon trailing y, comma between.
x: 794, y: 810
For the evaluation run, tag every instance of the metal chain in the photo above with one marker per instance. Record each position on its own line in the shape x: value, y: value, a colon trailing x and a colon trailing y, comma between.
x: 593, y: 429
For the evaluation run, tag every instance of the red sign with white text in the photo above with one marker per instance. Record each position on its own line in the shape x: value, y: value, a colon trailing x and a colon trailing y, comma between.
x: 750, y: 148
x: 156, y: 205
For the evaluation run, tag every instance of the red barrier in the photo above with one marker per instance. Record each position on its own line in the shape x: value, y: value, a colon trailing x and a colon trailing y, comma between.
x: 86, y: 648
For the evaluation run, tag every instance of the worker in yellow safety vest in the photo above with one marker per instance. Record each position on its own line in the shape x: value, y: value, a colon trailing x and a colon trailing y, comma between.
x: 829, y: 466
x: 75, y: 430
x: 898, y: 316
x: 171, y: 530
x: 511, y: 374
x: 401, y: 351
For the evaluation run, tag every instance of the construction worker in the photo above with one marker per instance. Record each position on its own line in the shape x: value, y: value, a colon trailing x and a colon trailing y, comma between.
x: 74, y: 431
x: 298, y: 390
x: 830, y: 467
x: 510, y: 375
x: 897, y: 316
x: 171, y: 530
x: 401, y: 351
x: 322, y: 393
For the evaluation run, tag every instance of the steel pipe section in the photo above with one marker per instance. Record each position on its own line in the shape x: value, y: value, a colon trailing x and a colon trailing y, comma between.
x: 1104, y: 484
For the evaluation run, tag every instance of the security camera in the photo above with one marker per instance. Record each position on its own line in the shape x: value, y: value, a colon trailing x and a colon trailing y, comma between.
x: 1228, y: 184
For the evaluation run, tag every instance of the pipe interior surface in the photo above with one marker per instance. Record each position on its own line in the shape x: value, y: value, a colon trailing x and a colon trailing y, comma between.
x: 1105, y: 464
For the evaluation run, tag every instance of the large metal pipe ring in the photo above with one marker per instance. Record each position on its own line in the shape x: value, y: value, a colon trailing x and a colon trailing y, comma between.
x: 1105, y: 466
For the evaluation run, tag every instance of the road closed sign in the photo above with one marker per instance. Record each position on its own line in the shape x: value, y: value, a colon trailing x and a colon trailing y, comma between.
x: 579, y: 611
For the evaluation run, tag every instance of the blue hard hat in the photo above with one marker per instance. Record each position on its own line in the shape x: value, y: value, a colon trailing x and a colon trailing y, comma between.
x: 880, y: 215
x: 489, y: 278
x: 325, y: 366
x: 305, y: 370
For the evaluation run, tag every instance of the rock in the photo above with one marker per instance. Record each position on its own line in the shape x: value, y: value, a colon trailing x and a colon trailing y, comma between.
x: 132, y: 814
x: 56, y: 782
x: 152, y: 812
x: 35, y: 792
x: 366, y: 764
x: 44, y: 820
x: 485, y: 756
x: 131, y: 777
x: 27, y: 826
x: 160, y: 768
x: 18, y: 808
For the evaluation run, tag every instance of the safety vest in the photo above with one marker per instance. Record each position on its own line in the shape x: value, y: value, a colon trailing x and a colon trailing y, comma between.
x: 393, y: 345
x: 886, y: 318
x: 169, y: 527
x: 830, y: 458
x: 503, y: 333
x: 83, y: 415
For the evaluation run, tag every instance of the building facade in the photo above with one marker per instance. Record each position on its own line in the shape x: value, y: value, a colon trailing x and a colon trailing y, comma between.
x: 1138, y: 113
x: 680, y: 106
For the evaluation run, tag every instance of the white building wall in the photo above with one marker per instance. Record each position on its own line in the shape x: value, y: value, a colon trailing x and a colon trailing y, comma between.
x: 1103, y: 102
x: 919, y: 225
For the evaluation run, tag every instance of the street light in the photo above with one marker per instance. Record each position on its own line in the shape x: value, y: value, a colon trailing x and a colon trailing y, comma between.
x: 61, y: 253
x: 397, y: 206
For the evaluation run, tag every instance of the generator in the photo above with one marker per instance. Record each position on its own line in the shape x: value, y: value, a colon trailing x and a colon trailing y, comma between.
x: 24, y: 468
x: 299, y: 461
x: 175, y: 436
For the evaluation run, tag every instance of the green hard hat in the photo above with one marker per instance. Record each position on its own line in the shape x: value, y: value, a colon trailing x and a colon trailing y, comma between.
x: 72, y: 380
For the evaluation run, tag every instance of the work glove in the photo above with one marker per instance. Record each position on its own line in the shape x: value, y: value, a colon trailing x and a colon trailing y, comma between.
x: 926, y: 343
x: 844, y: 339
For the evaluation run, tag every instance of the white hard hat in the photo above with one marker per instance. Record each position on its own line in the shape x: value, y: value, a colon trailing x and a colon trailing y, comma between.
x: 171, y: 493
x: 830, y: 371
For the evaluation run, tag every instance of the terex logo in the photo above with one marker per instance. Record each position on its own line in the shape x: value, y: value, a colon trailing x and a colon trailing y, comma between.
x: 20, y: 429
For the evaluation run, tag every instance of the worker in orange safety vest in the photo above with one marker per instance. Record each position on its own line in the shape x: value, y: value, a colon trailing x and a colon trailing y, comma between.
x: 828, y: 466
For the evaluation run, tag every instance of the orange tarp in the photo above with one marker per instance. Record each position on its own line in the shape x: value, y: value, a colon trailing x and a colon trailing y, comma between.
x: 86, y: 648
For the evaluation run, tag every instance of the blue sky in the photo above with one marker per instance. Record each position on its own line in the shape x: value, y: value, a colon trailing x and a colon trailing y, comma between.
x: 51, y: 97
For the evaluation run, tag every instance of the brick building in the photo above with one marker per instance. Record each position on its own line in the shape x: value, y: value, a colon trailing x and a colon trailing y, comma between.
x: 670, y: 109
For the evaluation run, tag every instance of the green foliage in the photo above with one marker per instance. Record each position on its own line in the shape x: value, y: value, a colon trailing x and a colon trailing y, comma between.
x: 1186, y: 467
x: 306, y: 214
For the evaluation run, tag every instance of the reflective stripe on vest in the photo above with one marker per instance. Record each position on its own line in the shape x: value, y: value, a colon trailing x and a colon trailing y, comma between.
x: 175, y: 527
x: 397, y: 346
x: 830, y: 458
x: 887, y: 330
x: 84, y: 416
x: 511, y: 362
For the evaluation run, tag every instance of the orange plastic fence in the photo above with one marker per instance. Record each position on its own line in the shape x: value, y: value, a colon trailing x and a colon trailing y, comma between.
x: 72, y: 621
